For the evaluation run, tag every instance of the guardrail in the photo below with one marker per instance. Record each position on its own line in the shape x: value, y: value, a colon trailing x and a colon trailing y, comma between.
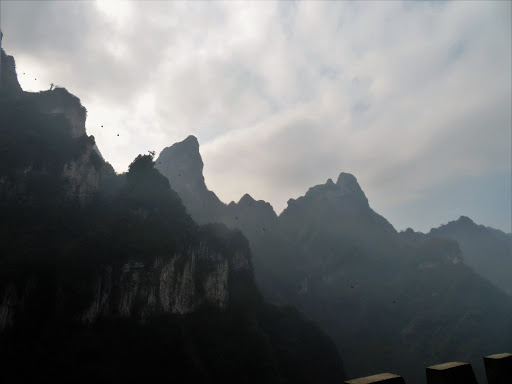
x: 498, y: 369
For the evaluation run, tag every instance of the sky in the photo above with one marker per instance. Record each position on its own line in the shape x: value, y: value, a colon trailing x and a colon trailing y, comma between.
x: 412, y: 98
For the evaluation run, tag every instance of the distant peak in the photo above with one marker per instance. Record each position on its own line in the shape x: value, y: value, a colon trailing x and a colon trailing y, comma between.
x: 190, y: 144
x: 181, y: 163
x: 465, y: 220
x: 347, y: 183
x: 329, y: 182
x: 191, y: 139
x: 184, y: 150
x: 246, y: 200
x: 346, y: 179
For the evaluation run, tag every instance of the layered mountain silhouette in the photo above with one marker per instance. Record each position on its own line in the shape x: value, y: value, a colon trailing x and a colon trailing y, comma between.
x: 149, y: 275
x: 106, y: 278
x: 391, y: 301
x: 487, y: 250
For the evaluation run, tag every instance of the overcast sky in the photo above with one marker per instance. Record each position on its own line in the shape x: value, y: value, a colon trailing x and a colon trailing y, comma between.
x: 413, y: 98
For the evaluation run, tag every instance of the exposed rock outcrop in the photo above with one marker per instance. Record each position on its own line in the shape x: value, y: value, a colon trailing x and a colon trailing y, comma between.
x: 85, y: 172
x: 177, y: 284
x: 9, y: 84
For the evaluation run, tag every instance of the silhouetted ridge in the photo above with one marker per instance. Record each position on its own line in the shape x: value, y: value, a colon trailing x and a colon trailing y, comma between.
x: 344, y: 201
x: 247, y: 202
x: 346, y: 194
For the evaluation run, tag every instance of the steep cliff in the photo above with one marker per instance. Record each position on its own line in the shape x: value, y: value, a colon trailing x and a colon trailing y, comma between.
x: 182, y: 165
x: 9, y: 85
x: 60, y: 118
x: 176, y: 284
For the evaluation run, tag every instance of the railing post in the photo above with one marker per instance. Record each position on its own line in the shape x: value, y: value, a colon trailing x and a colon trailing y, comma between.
x: 498, y: 368
x: 451, y: 373
x: 387, y: 378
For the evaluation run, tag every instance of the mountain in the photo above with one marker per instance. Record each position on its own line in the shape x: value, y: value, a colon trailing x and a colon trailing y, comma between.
x: 391, y: 301
x: 105, y: 277
x: 389, y: 304
x: 487, y: 250
x: 184, y: 170
x: 182, y: 164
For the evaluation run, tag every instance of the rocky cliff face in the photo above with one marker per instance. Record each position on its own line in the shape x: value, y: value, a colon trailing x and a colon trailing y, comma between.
x: 182, y: 164
x: 67, y: 165
x: 9, y: 84
x: 177, y: 284
x: 84, y: 170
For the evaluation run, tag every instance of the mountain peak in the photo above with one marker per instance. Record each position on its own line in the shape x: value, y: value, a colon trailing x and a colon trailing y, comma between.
x: 465, y: 220
x: 182, y: 164
x: 346, y: 178
x: 246, y: 200
x: 346, y: 192
x: 192, y: 141
x: 348, y: 183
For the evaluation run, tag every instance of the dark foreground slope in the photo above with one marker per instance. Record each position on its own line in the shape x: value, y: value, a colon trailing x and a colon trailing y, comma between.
x: 107, y: 278
x: 392, y: 302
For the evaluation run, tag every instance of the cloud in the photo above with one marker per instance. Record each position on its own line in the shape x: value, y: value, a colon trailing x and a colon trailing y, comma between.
x: 408, y: 96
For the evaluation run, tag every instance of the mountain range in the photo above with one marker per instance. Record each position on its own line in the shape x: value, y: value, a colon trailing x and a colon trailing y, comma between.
x: 392, y: 301
x: 149, y: 275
